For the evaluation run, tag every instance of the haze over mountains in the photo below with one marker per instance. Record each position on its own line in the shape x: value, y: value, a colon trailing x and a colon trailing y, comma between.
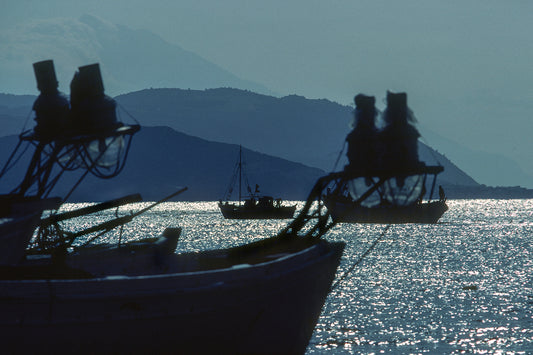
x: 311, y: 132
x: 161, y: 158
x: 130, y: 59
x: 307, y: 131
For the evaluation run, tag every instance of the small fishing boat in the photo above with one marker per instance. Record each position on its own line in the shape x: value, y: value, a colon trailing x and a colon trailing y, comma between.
x: 254, y: 205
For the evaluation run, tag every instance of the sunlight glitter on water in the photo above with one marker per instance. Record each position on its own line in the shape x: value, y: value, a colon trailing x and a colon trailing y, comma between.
x: 462, y: 285
x: 429, y: 288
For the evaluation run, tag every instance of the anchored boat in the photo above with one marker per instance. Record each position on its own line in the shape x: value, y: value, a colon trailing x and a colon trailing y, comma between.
x: 385, y: 197
x: 254, y: 205
x: 384, y: 181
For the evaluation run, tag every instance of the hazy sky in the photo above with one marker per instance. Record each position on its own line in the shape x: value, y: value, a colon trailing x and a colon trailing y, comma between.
x: 466, y: 65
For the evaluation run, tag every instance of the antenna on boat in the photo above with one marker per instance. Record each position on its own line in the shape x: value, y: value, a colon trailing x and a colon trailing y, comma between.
x: 240, y: 172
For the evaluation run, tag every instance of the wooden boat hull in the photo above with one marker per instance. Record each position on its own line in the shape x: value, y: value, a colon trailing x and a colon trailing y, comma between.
x: 346, y: 212
x: 269, y: 307
x: 232, y: 211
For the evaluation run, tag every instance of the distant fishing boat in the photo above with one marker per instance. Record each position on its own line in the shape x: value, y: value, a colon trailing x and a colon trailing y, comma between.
x: 384, y: 181
x: 357, y: 197
x: 254, y: 205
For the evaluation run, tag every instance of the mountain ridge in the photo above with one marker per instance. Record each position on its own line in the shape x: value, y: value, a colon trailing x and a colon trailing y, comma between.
x: 264, y: 123
x: 194, y: 112
x: 206, y: 168
x: 161, y: 160
x: 135, y: 59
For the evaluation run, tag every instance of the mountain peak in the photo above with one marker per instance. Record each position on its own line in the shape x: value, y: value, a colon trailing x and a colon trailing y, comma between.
x: 130, y: 59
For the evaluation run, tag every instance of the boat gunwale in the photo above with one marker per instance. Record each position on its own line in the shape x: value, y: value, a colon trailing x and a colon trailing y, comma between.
x: 160, y: 276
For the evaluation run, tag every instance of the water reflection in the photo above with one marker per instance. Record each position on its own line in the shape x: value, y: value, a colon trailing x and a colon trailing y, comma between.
x: 462, y: 285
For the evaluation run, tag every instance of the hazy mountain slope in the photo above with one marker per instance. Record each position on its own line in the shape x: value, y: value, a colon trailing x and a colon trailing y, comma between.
x: 15, y: 113
x: 492, y: 169
x: 162, y: 159
x: 129, y: 59
x: 292, y: 127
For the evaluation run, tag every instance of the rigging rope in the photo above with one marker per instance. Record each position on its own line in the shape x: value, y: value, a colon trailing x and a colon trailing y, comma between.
x: 339, y: 156
x: 347, y: 272
x: 423, y: 139
x: 12, y: 162
x: 26, y: 120
x: 127, y: 113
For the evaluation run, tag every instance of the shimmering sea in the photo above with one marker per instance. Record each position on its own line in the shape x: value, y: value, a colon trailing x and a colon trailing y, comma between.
x: 464, y: 285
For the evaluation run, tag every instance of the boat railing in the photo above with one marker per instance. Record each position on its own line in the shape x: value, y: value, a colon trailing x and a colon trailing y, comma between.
x: 52, y: 236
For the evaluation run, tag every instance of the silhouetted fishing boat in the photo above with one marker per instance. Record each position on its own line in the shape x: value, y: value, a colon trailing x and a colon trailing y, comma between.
x: 385, y: 197
x: 142, y: 296
x: 254, y: 205
x: 384, y: 181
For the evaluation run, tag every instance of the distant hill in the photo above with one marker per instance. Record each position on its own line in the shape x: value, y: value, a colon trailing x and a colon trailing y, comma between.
x: 295, y: 128
x: 162, y: 159
x: 291, y: 127
x: 310, y: 132
x: 130, y: 59
x: 495, y: 169
x: 16, y: 113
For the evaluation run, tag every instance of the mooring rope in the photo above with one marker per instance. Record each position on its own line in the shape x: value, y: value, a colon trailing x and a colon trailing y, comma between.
x: 347, y: 272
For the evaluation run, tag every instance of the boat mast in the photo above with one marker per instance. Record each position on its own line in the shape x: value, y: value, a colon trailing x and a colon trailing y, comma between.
x: 240, y: 172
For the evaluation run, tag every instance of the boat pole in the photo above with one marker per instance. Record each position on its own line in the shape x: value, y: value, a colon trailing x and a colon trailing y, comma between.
x: 240, y: 172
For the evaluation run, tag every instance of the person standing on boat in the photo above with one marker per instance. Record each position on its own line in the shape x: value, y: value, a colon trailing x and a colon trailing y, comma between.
x: 361, y: 140
x: 398, y: 140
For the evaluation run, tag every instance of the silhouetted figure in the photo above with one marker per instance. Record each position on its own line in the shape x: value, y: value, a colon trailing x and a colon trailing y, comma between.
x: 266, y: 202
x: 92, y: 110
x: 422, y: 193
x: 250, y: 203
x: 51, y: 107
x: 361, y: 140
x: 442, y: 195
x: 398, y: 140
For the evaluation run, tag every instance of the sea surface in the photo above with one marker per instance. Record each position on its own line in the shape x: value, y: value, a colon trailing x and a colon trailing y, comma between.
x: 464, y: 285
